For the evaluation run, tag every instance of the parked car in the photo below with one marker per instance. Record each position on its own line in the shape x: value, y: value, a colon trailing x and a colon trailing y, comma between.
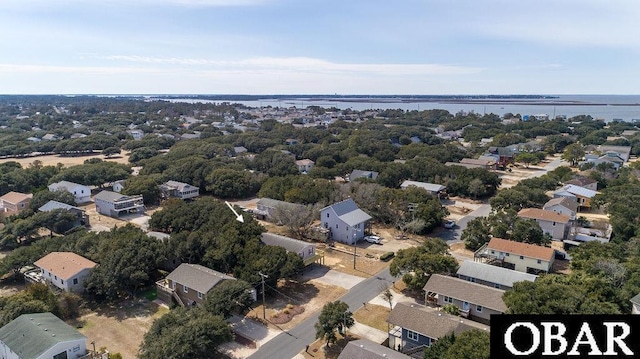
x: 449, y: 224
x: 373, y: 239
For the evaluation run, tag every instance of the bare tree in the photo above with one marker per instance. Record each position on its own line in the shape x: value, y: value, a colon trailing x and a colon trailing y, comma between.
x: 387, y: 295
x: 297, y: 219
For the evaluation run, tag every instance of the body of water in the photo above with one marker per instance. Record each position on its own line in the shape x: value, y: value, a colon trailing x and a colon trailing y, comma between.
x: 607, y: 107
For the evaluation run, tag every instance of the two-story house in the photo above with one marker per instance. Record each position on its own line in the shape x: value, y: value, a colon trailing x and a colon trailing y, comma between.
x: 475, y: 301
x: 13, y: 203
x: 305, y: 165
x: 189, y: 284
x: 579, y: 194
x: 553, y: 223
x: 114, y: 204
x: 562, y: 205
x: 345, y: 221
x: 415, y: 326
x: 81, y: 193
x: 41, y: 336
x: 492, y: 276
x: 523, y: 257
x: 65, y: 270
x: 180, y: 190
x: 306, y: 250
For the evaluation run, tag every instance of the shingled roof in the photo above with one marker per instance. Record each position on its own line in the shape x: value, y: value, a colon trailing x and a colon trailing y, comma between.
x: 466, y: 291
x: 522, y: 249
x: 429, y: 322
x: 197, y: 277
x: 64, y: 264
x: 543, y: 214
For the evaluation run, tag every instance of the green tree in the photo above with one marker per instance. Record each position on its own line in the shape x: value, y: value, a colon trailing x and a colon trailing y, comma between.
x: 527, y: 158
x: 438, y: 349
x: 472, y: 344
x: 476, y: 234
x: 227, y: 297
x: 185, y: 333
x: 143, y: 185
x: 335, y: 316
x: 417, y: 264
x: 110, y: 151
x: 573, y: 153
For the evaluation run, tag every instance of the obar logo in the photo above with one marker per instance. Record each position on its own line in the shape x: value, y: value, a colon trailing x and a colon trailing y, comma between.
x: 565, y: 336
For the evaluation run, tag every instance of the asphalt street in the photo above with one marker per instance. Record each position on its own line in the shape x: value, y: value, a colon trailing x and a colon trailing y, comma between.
x: 288, y: 344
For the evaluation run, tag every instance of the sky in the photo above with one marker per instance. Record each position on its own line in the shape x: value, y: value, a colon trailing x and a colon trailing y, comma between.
x: 378, y: 47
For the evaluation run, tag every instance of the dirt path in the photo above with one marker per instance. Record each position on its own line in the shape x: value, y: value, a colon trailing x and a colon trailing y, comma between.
x: 52, y: 160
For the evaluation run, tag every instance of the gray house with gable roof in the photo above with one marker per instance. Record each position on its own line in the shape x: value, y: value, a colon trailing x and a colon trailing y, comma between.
x: 345, y: 221
x: 304, y: 249
x: 41, y: 336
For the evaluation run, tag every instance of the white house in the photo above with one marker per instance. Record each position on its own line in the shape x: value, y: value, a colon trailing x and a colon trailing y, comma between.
x: 41, y: 336
x: 179, y: 190
x: 345, y: 221
x: 553, y: 223
x: 136, y: 134
x: 65, y: 270
x: 635, y: 301
x: 81, y: 192
x: 118, y: 186
x: 115, y: 204
x: 562, y: 205
x: 305, y: 165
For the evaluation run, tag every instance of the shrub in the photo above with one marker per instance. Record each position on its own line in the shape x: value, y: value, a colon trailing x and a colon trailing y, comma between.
x: 387, y: 256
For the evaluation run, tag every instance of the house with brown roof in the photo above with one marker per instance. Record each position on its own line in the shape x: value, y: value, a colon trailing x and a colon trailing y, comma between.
x: 417, y: 327
x: 553, y: 223
x: 523, y: 257
x: 65, y: 270
x: 475, y: 301
x: 585, y: 182
x: 13, y: 203
x: 562, y: 205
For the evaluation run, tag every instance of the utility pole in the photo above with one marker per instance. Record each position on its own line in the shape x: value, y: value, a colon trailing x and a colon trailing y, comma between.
x: 264, y: 308
x: 355, y: 245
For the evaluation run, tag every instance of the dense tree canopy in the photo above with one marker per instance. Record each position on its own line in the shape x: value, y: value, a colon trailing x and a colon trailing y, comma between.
x: 417, y: 264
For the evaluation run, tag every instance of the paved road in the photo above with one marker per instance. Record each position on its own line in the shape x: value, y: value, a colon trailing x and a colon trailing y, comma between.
x: 288, y: 344
x: 453, y: 235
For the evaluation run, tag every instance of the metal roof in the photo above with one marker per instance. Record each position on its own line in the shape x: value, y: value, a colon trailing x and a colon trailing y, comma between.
x: 66, y: 185
x: 431, y: 187
x: 52, y: 205
x: 109, y: 196
x: 30, y: 335
x: 580, y: 191
x: 486, y: 272
x: 466, y: 291
x: 366, y: 349
x: 349, y: 212
x: 290, y: 244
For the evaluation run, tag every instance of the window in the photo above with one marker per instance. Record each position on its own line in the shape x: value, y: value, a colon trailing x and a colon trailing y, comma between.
x: 479, y: 308
x: 55, y: 277
x: 471, y: 279
x: 447, y: 299
x: 336, y: 226
x: 506, y: 254
x: 49, y: 274
x: 185, y: 289
x: 496, y: 286
x: 327, y: 214
x: 493, y: 252
x: 539, y: 261
x: 347, y: 228
x: 173, y: 285
x: 411, y: 335
x: 310, y: 251
x: 61, y: 281
x: 554, y: 223
x: 521, y: 257
x: 199, y: 295
x: 75, y: 280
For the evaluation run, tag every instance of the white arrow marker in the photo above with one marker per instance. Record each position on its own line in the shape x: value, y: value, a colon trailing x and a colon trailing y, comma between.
x: 239, y: 217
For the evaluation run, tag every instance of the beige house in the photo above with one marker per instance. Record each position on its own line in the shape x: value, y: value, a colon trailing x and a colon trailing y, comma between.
x: 552, y: 223
x: 189, y: 284
x: 14, y: 203
x: 523, y: 257
x: 475, y: 301
x: 65, y: 270
x: 562, y: 205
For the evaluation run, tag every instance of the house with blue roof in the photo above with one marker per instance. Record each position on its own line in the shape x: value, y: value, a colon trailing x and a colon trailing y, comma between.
x: 345, y: 221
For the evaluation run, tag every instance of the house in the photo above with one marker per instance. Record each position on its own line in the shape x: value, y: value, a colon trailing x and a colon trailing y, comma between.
x: 366, y: 349
x: 492, y: 276
x: 114, y: 204
x: 585, y: 182
x: 485, y: 162
x: 345, y: 221
x: 189, y: 283
x: 81, y: 215
x: 579, y: 194
x: 239, y: 150
x: 635, y: 302
x: 416, y: 327
x: 179, y: 190
x: 306, y: 250
x: 305, y: 165
x: 65, y: 270
x: 81, y: 193
x: 41, y: 336
x: 355, y: 174
x: 503, y: 156
x: 562, y: 205
x: 118, y: 186
x: 291, y: 141
x: 266, y: 208
x: 475, y: 301
x: 136, y: 134
x: 50, y: 137
x: 14, y: 203
x: 553, y: 223
x: 434, y: 189
x: 612, y: 158
x: 523, y: 257
x: 624, y: 152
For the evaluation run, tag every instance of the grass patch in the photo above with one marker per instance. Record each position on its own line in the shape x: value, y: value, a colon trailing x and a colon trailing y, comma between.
x: 374, y: 316
x: 151, y: 294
